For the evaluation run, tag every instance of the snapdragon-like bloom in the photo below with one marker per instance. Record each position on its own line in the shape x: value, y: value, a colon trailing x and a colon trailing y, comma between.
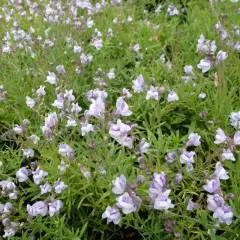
x: 59, y: 186
x: 54, y: 207
x: 112, y: 214
x: 221, y: 56
x: 187, y: 157
x: 120, y: 133
x: 206, y: 46
x: 224, y: 214
x: 38, y: 208
x: 172, y: 97
x: 122, y: 108
x: 97, y: 108
x: 38, y: 175
x: 228, y: 155
x: 172, y: 10
x: 138, y: 84
x: 193, y: 140
x: 236, y: 138
x: 188, y: 69
x: 220, y: 172
x: 95, y: 94
x: 86, y: 128
x: 60, y: 69
x: 22, y: 174
x: 8, y: 189
x: 65, y: 151
x: 163, y: 202
x: 111, y: 74
x: 71, y: 122
x: 34, y: 139
x: 45, y: 188
x: 144, y: 146
x: 51, y: 78
x: 51, y: 122
x: 205, y: 64
x: 59, y: 102
x: 220, y: 136
x: 119, y: 184
x: 212, y: 186
x: 30, y: 102
x: 170, y: 157
x: 127, y: 203
x: 41, y: 91
x: 75, y: 108
x: 214, y: 201
x: 28, y: 152
x: 126, y: 93
x: 152, y: 93
x: 235, y: 119
x: 191, y: 205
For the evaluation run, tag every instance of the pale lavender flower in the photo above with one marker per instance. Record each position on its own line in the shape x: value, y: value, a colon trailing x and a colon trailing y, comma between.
x: 152, y: 93
x: 212, y: 186
x: 236, y: 138
x: 205, y: 64
x: 220, y: 172
x: 228, y: 155
x: 60, y: 69
x: 28, y: 152
x: 163, y: 202
x: 161, y: 179
x: 126, y: 93
x: 97, y: 108
x: 77, y: 49
x: 18, y: 129
x: 122, y: 108
x: 111, y: 74
x: 71, y: 122
x: 65, y: 151
x: 159, y: 9
x: 90, y: 22
x: 191, y: 205
x: 95, y: 94
x: 127, y: 203
x: 178, y: 178
x: 206, y: 46
x: 172, y: 96
x: 112, y: 214
x: 172, y: 10
x: 202, y: 95
x: 85, y: 172
x: 220, y: 136
x: 170, y: 157
x: 144, y: 146
x: 97, y: 43
x: 9, y: 232
x: 138, y: 84
x: 120, y: 132
x: 214, y: 201
x: 8, y: 189
x: 75, y: 108
x: 68, y: 95
x: 221, y: 56
x: 59, y: 102
x: 136, y: 48
x: 34, y: 139
x: 38, y: 175
x: 224, y: 214
x: 235, y: 119
x: 54, y: 207
x: 59, y: 186
x: 38, y: 208
x: 188, y: 69
x: 62, y: 167
x: 30, y: 102
x: 86, y: 128
x: 187, y: 157
x: 45, y: 188
x: 51, y: 122
x: 51, y: 78
x: 119, y: 184
x: 22, y: 174
x: 193, y: 140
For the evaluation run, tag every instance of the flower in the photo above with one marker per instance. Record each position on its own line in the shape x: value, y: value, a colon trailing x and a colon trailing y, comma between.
x: 22, y: 174
x: 59, y: 102
x: 214, y: 201
x: 112, y: 214
x: 8, y: 189
x: 224, y: 214
x: 205, y: 64
x: 172, y: 96
x: 194, y: 140
x: 138, y: 84
x: 122, y: 108
x: 220, y: 136
x: 212, y: 186
x: 162, y: 202
x: 62, y: 167
x: 119, y: 184
x: 38, y: 208
x: 221, y: 56
x: 220, y: 172
x: 60, y: 69
x: 152, y: 93
x: 71, y: 122
x: 51, y: 78
x: 54, y: 207
x: 228, y: 155
x: 59, y: 186
x: 236, y: 138
x: 187, y: 157
x: 97, y: 108
x: 172, y: 10
x: 65, y: 151
x: 75, y: 108
x: 170, y: 157
x: 127, y: 203
x: 28, y: 152
x: 68, y: 95
x: 178, y: 178
x: 144, y: 146
x: 41, y: 91
x: 30, y: 102
x: 34, y: 139
x: 86, y: 128
x: 119, y: 132
x: 38, y: 175
x: 111, y: 74
x: 235, y: 119
x: 45, y: 188
x: 188, y: 69
x: 126, y: 93
x: 191, y: 205
x: 206, y: 46
x: 202, y: 95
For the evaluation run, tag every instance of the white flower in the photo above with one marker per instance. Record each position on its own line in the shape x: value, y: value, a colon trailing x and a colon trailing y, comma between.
x: 51, y: 78
x: 62, y: 167
x: 90, y: 23
x: 111, y: 74
x: 86, y: 128
x: 220, y: 136
x: 188, y: 69
x: 162, y: 202
x: 45, y: 188
x: 34, y: 139
x: 54, y: 207
x: 136, y: 48
x: 194, y: 140
x: 59, y: 102
x: 122, y: 108
x: 30, y: 102
x: 220, y: 172
x: 28, y: 152
x: 138, y: 84
x: 144, y: 146
x: 202, y: 95
x: 112, y: 214
x: 159, y: 9
x: 172, y: 96
x: 126, y: 93
x: 119, y: 184
x: 71, y: 122
x: 228, y: 155
x: 127, y: 203
x: 152, y: 93
x: 22, y: 174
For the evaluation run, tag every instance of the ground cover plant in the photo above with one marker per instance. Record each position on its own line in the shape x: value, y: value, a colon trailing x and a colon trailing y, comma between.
x: 120, y: 119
